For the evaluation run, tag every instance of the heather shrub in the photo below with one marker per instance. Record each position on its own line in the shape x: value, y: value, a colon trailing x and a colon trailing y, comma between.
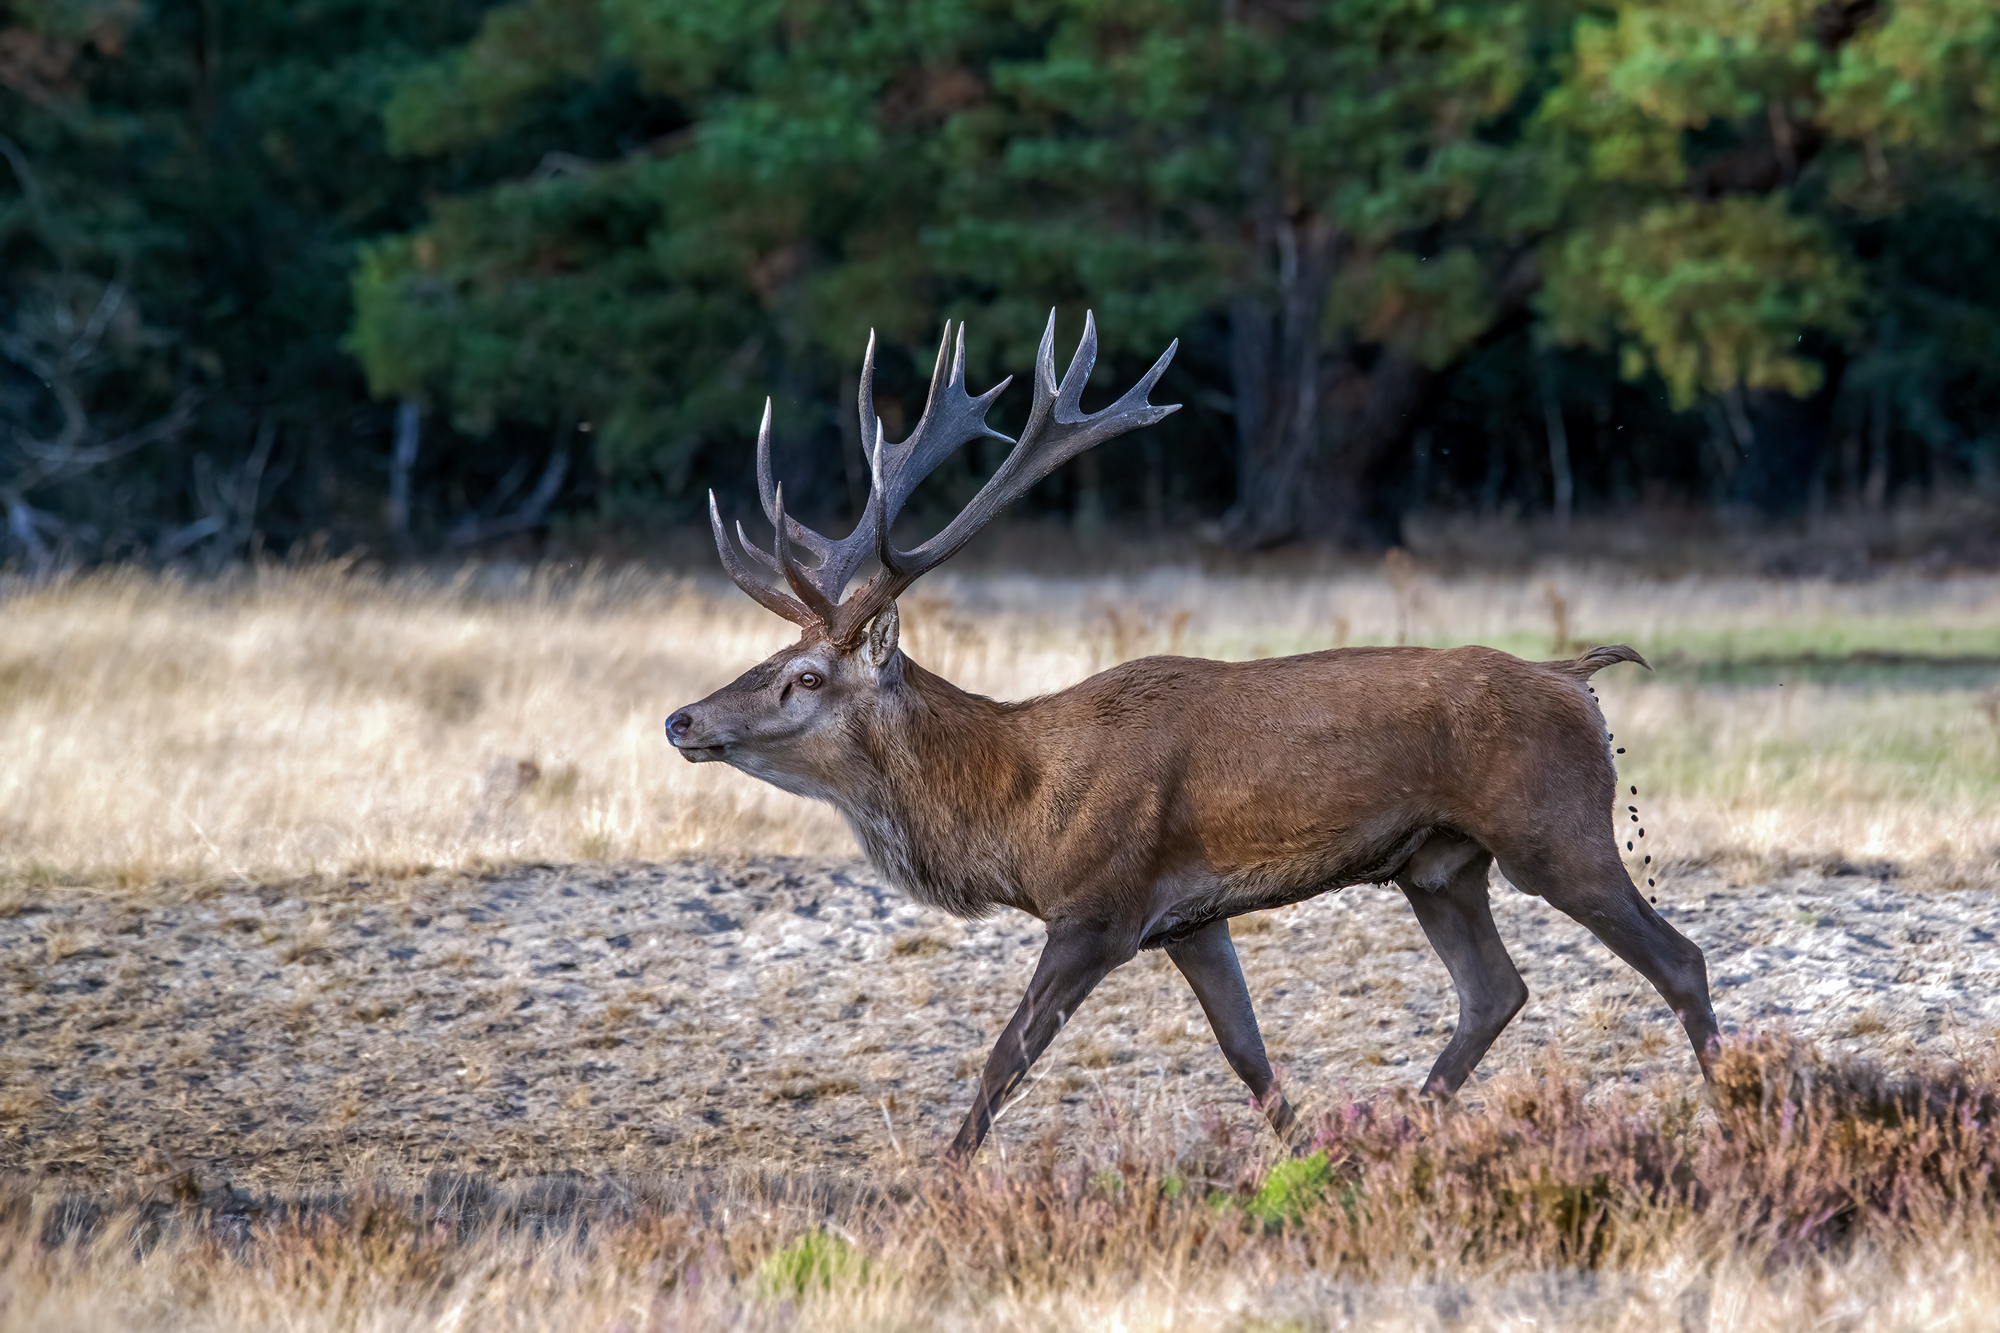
x: 1798, y: 1168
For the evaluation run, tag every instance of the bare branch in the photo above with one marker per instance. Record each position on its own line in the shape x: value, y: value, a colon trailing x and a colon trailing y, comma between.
x: 84, y: 344
x: 58, y: 461
x: 23, y: 522
x: 531, y: 511
x: 176, y: 540
x: 31, y: 190
x: 229, y: 500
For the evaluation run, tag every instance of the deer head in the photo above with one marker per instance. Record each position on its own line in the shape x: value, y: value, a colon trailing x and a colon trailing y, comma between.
x: 791, y: 719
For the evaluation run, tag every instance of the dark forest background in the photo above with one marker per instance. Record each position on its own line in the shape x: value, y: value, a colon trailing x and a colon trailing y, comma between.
x: 423, y: 277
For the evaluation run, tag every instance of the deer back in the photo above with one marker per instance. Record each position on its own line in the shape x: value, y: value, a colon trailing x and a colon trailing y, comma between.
x: 1174, y: 790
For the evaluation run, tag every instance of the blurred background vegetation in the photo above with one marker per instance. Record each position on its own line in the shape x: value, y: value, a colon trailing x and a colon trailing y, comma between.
x: 424, y: 277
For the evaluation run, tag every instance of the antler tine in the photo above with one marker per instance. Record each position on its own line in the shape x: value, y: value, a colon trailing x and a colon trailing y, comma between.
x: 951, y: 419
x: 937, y: 375
x: 766, y: 489
x: 764, y: 496
x: 884, y: 552
x: 865, y: 396
x: 1057, y: 431
x: 815, y: 599
x: 754, y: 551
x: 1069, y: 401
x: 739, y: 573
x: 800, y: 533
x: 860, y: 543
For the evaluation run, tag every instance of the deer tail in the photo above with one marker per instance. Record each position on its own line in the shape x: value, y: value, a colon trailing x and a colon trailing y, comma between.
x: 1593, y: 660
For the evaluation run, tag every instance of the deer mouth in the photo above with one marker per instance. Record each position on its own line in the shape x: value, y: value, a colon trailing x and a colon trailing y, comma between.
x: 703, y: 754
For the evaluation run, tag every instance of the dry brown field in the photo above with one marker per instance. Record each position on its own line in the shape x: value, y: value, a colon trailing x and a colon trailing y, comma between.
x: 367, y: 959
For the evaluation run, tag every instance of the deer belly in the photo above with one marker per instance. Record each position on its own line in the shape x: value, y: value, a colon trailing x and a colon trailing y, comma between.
x: 1184, y: 904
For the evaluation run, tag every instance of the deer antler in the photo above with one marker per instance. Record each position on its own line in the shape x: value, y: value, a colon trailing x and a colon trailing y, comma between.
x: 1057, y: 431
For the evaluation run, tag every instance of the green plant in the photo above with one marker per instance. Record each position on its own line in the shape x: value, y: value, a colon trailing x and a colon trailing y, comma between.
x: 1290, y: 1189
x: 816, y: 1261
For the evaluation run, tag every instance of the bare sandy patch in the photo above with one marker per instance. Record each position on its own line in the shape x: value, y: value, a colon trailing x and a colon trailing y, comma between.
x: 794, y: 1014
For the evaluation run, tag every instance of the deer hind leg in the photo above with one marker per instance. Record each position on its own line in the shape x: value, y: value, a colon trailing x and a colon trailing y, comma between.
x: 1208, y: 960
x: 1073, y: 961
x: 1446, y: 885
x: 1587, y: 882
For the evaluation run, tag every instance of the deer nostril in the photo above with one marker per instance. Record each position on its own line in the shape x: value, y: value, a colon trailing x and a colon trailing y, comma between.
x: 678, y: 724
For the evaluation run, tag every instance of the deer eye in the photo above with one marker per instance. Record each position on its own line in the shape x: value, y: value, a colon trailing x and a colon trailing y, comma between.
x: 810, y: 680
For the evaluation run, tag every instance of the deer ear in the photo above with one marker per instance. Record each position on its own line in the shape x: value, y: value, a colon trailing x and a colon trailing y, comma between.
x: 880, y: 645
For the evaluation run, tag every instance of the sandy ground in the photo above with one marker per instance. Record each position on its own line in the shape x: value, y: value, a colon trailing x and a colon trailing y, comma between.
x: 795, y: 1012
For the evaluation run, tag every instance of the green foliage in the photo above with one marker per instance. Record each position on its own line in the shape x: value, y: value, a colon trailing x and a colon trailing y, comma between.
x: 1716, y: 296
x: 1643, y: 77
x: 663, y: 292
x: 1927, y: 77
x: 561, y: 296
x: 1291, y: 1189
x: 1154, y: 170
x: 645, y: 215
x: 1716, y: 293
x: 1432, y: 306
x: 474, y: 94
x: 884, y: 163
x: 816, y: 1261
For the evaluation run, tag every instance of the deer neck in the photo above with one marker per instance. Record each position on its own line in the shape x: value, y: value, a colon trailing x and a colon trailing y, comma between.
x: 948, y: 782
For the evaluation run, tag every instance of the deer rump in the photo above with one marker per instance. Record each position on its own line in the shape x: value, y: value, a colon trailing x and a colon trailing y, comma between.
x: 1147, y: 805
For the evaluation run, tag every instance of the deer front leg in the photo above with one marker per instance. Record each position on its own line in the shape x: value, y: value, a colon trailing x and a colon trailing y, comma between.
x: 1207, y: 959
x: 1074, y: 960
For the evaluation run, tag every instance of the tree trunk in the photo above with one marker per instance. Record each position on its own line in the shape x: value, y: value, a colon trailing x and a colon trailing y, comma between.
x: 1311, y: 428
x: 1275, y: 361
x: 402, y: 459
x: 1564, y: 496
x: 1369, y: 414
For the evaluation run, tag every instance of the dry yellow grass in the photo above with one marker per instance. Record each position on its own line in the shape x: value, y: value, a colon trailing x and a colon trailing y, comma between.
x: 521, y: 1284
x: 300, y: 720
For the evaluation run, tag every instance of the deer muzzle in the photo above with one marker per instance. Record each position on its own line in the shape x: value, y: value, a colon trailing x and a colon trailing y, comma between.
x: 695, y: 742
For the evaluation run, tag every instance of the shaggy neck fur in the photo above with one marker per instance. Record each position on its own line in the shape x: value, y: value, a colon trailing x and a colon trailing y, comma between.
x: 948, y: 783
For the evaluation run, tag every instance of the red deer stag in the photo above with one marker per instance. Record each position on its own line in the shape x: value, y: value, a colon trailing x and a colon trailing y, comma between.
x: 1144, y: 807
